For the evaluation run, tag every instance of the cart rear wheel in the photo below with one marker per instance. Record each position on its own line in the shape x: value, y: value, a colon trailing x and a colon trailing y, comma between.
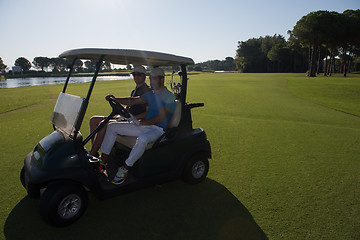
x: 63, y: 203
x: 196, y: 169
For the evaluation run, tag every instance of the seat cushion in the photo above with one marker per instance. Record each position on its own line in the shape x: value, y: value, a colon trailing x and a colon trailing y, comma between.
x: 176, y: 117
x: 174, y: 122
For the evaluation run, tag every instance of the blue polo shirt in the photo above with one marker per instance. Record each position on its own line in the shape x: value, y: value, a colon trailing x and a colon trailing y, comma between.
x: 157, y: 100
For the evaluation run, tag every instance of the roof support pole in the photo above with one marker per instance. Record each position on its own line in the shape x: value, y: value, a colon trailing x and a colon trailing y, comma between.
x: 69, y: 74
x: 86, y: 100
x: 183, y: 84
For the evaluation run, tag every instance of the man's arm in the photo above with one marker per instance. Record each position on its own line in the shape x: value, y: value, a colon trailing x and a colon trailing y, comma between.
x: 163, y: 112
x: 143, y: 115
x: 128, y: 100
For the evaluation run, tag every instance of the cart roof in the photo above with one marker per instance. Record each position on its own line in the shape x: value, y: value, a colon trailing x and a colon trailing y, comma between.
x: 128, y: 56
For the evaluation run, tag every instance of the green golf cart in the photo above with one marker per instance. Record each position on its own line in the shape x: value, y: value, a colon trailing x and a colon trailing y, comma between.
x: 59, y: 170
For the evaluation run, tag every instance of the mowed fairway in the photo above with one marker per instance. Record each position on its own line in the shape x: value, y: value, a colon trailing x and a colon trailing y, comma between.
x: 284, y: 160
x: 293, y: 164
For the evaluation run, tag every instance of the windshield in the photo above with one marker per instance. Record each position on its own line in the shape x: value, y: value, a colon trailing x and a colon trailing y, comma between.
x: 66, y: 112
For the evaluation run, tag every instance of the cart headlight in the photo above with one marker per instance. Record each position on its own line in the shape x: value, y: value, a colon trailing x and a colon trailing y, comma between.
x: 36, y: 156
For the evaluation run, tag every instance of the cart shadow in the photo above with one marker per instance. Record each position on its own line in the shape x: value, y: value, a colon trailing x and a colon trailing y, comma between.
x: 171, y: 211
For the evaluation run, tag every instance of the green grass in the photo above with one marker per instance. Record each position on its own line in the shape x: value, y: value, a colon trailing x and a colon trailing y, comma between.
x: 13, y: 99
x: 285, y: 158
x: 336, y: 92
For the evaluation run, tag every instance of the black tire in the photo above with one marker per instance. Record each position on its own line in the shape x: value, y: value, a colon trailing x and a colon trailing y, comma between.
x: 196, y: 169
x: 22, y: 177
x: 63, y: 203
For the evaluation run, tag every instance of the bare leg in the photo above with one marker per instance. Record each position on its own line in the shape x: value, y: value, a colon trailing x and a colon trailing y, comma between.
x: 94, y: 122
x: 98, y: 139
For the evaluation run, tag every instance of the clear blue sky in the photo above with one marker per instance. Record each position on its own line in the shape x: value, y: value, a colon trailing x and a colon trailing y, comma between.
x: 200, y: 29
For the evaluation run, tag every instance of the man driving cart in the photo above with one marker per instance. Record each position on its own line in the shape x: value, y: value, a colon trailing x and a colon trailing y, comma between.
x: 161, y: 103
x: 139, y: 111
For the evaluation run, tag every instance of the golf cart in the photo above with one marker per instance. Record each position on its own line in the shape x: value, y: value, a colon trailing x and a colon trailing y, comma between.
x: 59, y: 170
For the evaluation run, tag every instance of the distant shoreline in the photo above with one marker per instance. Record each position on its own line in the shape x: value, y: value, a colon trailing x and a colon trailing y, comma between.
x: 45, y: 75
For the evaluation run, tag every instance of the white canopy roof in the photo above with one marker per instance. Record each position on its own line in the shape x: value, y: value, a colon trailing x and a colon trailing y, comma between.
x: 128, y: 56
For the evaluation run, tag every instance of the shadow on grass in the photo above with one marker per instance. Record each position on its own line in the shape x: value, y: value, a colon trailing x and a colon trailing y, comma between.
x: 171, y: 211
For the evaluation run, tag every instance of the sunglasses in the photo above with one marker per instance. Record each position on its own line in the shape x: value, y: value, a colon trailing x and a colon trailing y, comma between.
x: 135, y: 74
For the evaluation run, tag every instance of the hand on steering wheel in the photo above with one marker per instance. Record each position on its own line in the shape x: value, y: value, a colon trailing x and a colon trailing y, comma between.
x: 119, y: 109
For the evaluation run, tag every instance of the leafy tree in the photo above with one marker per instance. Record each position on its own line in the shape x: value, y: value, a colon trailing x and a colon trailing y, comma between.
x: 177, y: 68
x: 298, y: 52
x: 267, y: 44
x: 78, y: 65
x: 216, y: 65
x: 42, y: 62
x: 61, y: 64
x: 338, y: 33
x: 280, y: 56
x: 198, y: 68
x: 58, y: 64
x: 23, y: 63
x: 331, y: 27
x: 249, y: 57
x: 356, y: 63
x: 2, y: 66
x: 350, y: 40
x: 91, y: 65
x: 106, y: 66
x: 229, y: 64
x: 264, y: 54
x: 307, y: 30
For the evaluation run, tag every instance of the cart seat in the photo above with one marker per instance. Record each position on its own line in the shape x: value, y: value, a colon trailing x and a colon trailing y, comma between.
x: 130, y: 141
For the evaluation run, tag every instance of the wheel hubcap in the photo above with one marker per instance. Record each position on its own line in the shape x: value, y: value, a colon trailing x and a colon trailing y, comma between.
x: 198, y: 169
x: 69, y: 206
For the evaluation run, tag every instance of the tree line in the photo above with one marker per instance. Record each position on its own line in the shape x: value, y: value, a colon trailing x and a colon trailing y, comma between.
x: 270, y: 54
x: 215, y: 65
x: 321, y: 41
x: 2, y: 66
x: 328, y: 35
x: 59, y: 64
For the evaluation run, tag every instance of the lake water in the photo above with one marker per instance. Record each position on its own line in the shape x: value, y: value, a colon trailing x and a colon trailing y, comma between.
x: 27, y: 82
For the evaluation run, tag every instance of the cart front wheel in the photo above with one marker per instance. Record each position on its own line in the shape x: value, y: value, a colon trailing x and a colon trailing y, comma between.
x: 63, y: 203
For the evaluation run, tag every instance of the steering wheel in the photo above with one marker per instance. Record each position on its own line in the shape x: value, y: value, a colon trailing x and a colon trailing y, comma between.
x: 118, y: 108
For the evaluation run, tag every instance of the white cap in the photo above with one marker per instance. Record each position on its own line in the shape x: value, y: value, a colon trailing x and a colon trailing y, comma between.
x: 139, y: 69
x: 157, y: 72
